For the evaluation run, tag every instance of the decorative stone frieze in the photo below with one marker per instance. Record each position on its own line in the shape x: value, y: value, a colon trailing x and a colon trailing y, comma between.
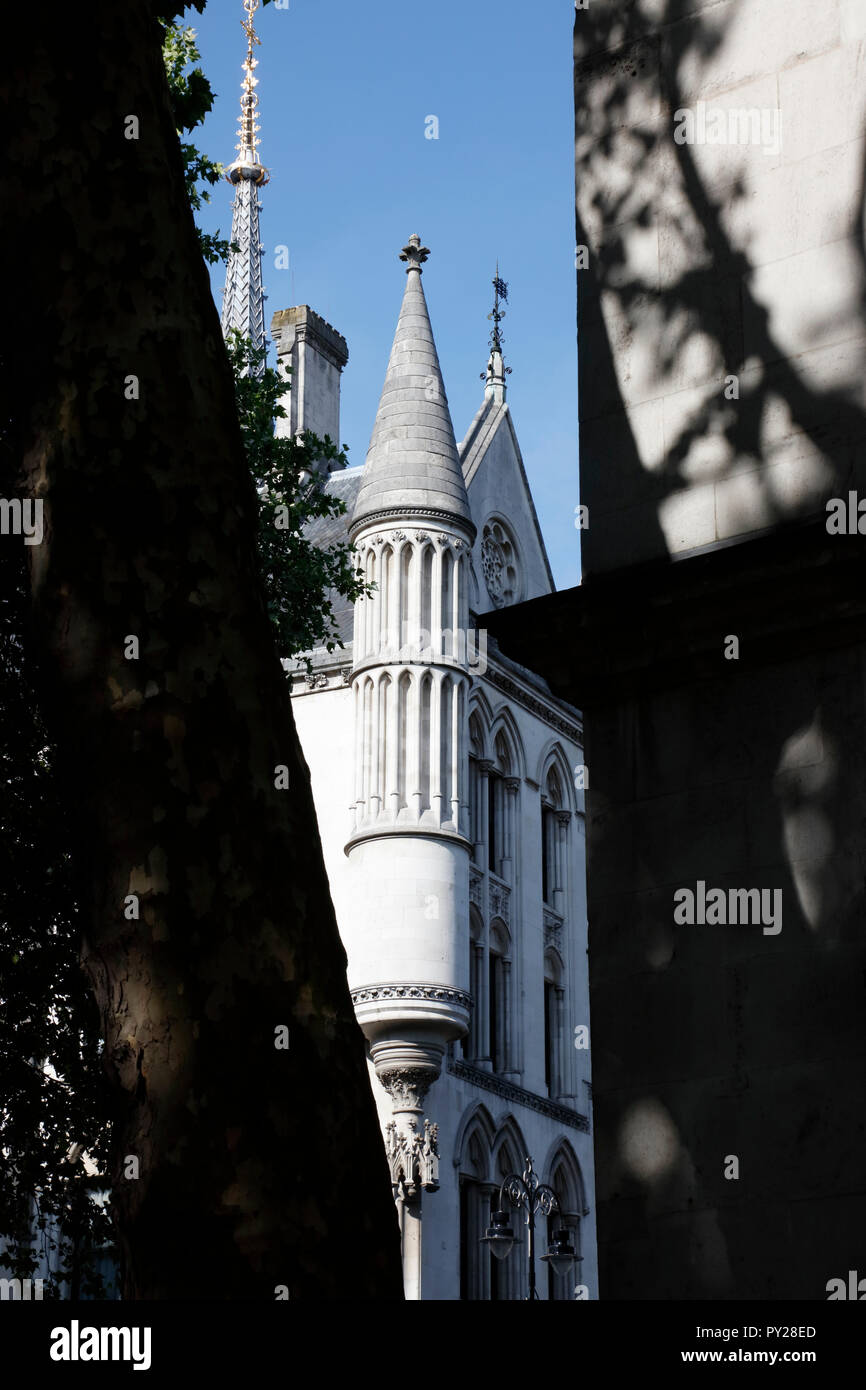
x: 439, y: 993
x: 476, y: 888
x: 553, y: 934
x: 529, y: 702
x: 500, y: 902
x: 507, y: 1090
x: 407, y: 1086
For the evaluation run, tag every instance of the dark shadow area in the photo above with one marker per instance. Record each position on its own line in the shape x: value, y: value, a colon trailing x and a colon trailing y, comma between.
x: 721, y: 331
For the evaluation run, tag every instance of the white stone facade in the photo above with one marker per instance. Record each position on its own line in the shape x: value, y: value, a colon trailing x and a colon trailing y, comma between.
x: 452, y: 830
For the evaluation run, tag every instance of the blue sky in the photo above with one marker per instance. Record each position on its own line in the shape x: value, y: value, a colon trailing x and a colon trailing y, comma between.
x: 344, y: 92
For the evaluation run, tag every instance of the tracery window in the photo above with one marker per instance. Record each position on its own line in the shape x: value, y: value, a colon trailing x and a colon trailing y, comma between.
x: 484, y: 1159
x: 499, y: 563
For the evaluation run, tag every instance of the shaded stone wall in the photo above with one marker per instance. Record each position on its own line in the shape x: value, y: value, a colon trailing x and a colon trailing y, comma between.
x: 721, y: 340
x: 719, y: 148
x: 733, y: 765
x: 713, y: 1041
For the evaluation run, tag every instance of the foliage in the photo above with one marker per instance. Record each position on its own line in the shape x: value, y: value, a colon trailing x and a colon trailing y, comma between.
x: 299, y: 579
x: 54, y: 1133
x: 52, y: 1106
x: 54, y: 1130
x: 191, y: 99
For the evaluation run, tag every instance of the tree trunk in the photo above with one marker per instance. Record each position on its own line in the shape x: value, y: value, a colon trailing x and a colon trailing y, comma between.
x: 259, y: 1166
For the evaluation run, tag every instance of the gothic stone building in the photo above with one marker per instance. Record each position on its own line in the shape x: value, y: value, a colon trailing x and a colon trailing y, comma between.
x: 443, y: 777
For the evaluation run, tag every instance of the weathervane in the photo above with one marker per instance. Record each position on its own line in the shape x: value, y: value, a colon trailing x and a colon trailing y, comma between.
x: 500, y: 292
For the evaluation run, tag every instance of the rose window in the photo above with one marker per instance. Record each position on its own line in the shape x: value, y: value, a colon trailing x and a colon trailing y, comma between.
x: 499, y: 564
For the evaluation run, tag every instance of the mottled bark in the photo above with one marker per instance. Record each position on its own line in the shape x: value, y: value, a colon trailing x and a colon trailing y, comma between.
x: 258, y: 1166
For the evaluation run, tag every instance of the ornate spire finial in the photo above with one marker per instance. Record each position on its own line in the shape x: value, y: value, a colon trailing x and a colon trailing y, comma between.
x: 414, y: 253
x: 500, y: 291
x: 248, y: 165
x: 496, y: 369
x: 243, y: 295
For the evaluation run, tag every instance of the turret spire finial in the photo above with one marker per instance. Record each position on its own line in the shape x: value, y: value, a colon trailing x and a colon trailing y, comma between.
x: 414, y: 253
x: 248, y: 165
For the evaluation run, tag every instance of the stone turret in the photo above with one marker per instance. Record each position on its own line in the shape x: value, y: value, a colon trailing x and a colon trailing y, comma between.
x: 411, y: 677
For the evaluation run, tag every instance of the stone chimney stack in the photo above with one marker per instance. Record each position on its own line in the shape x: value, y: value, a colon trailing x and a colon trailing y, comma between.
x: 315, y: 355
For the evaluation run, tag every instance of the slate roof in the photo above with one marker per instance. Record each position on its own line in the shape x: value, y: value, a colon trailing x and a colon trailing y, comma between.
x: 326, y: 531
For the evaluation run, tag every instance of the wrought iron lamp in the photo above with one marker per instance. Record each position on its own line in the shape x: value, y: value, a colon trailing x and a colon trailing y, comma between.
x: 533, y: 1196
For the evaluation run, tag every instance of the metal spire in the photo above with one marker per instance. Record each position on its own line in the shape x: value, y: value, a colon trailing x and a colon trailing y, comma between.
x: 496, y: 370
x: 243, y: 293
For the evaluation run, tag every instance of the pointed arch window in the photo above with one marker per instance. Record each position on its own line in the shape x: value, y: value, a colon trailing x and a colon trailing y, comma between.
x: 498, y: 837
x: 403, y: 703
x: 475, y: 1190
x: 386, y: 585
x: 499, y: 995
x: 367, y: 604
x: 552, y: 806
x: 424, y: 636
x: 554, y: 1022
x: 566, y: 1181
x: 424, y: 734
x: 367, y: 773
x: 446, y: 720
x: 382, y: 790
x: 476, y: 754
x: 404, y: 612
x: 473, y: 1042
x: 507, y: 1277
x: 446, y: 615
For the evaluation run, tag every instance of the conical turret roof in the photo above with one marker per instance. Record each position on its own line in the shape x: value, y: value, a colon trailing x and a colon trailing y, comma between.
x: 412, y: 464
